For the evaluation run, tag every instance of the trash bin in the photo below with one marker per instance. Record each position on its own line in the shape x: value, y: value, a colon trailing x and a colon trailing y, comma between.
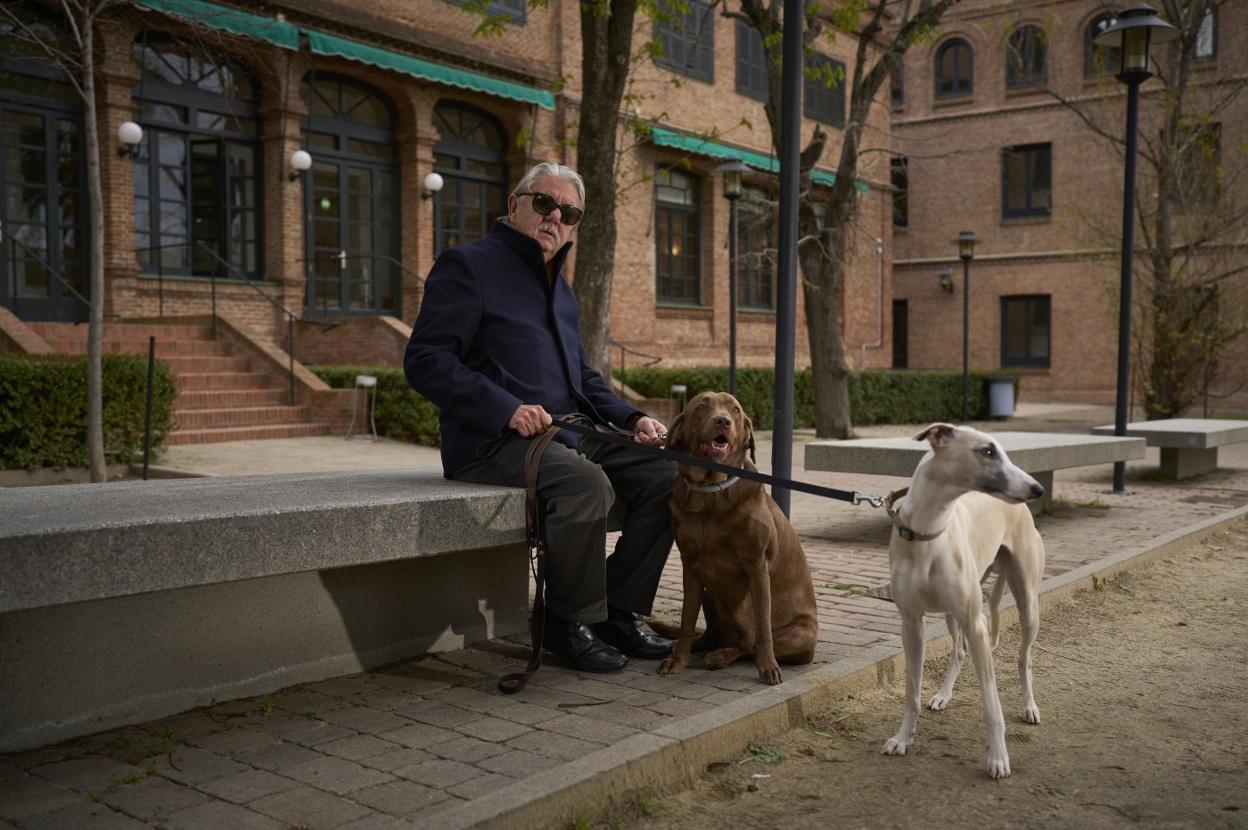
x: 1001, y: 396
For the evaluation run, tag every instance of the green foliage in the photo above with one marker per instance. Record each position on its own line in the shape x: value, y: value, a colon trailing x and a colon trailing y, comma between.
x: 401, y: 414
x: 875, y: 397
x: 43, y: 409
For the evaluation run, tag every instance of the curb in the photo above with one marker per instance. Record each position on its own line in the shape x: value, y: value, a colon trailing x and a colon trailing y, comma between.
x: 673, y: 757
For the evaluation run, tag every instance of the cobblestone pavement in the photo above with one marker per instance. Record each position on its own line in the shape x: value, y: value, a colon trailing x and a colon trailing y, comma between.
x: 416, y: 743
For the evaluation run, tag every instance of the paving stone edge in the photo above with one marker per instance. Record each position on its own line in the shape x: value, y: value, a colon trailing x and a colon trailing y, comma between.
x: 675, y: 756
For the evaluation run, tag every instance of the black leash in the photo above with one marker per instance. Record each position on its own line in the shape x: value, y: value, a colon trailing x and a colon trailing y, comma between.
x: 581, y: 424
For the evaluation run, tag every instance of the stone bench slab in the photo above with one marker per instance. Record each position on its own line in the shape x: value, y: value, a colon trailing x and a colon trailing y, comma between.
x: 72, y: 543
x: 1184, y: 433
x: 1035, y: 452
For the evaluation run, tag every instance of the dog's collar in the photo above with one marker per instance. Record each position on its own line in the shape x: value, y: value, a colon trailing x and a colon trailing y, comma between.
x: 711, y: 488
x: 903, y: 530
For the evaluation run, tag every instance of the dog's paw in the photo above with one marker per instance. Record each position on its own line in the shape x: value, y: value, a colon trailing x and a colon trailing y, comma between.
x: 998, y: 764
x: 672, y: 665
x: 770, y: 674
x: 939, y: 701
x: 722, y: 658
x: 896, y: 745
x: 1031, y: 713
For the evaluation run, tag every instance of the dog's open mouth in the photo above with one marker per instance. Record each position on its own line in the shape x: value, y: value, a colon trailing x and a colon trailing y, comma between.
x: 717, y: 447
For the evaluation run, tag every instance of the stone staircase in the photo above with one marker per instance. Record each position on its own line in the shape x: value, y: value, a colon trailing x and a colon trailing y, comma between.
x: 222, y: 395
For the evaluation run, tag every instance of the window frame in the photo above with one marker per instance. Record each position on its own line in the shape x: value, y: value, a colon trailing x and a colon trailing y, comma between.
x: 757, y: 278
x: 749, y: 63
x: 669, y: 32
x: 1030, y: 211
x: 949, y: 45
x: 1018, y: 74
x: 1091, y: 69
x: 899, y: 169
x: 1028, y: 360
x: 815, y: 94
x: 467, y: 152
x: 505, y: 8
x: 1211, y: 15
x: 897, y: 86
x: 693, y: 218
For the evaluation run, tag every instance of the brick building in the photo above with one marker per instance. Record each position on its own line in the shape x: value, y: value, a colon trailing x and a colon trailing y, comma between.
x: 208, y: 214
x: 988, y: 126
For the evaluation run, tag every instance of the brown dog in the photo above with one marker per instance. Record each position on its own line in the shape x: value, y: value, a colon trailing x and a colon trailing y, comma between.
x: 736, y: 545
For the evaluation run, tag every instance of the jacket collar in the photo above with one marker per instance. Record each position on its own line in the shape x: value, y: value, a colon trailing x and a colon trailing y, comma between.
x: 528, y: 248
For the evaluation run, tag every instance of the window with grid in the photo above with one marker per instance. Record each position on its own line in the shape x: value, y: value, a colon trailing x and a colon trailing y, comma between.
x: 1027, y: 180
x: 513, y: 10
x: 897, y: 85
x: 823, y: 97
x: 751, y: 62
x: 1026, y: 53
x: 954, y: 69
x: 687, y: 39
x: 756, y: 261
x: 899, y: 169
x: 196, y: 180
x: 1025, y: 327
x: 676, y: 238
x: 1207, y: 36
x: 1099, y: 60
x: 472, y: 158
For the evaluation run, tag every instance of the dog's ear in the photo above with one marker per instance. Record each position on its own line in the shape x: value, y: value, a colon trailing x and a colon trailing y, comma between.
x: 938, y: 435
x: 749, y: 430
x: 675, y: 435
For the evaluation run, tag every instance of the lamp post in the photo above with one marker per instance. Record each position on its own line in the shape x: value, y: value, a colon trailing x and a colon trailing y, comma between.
x: 731, y: 172
x: 966, y: 251
x: 1132, y: 33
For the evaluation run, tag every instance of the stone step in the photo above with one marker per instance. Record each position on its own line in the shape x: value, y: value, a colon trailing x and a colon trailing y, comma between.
x: 218, y: 398
x: 164, y: 348
x: 238, y: 416
x: 223, y: 381
x: 253, y: 433
x: 124, y: 331
x: 208, y: 363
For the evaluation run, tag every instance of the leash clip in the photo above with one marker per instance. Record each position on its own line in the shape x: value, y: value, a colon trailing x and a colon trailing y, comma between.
x: 874, y: 501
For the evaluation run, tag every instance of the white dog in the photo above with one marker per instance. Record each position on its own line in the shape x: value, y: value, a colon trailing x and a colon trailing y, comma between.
x: 965, y: 517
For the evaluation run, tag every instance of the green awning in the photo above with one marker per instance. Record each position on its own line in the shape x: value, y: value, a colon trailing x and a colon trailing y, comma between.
x: 278, y: 32
x: 326, y: 44
x: 713, y: 149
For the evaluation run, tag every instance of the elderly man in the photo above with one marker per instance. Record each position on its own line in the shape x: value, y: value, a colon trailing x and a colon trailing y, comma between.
x: 497, y: 347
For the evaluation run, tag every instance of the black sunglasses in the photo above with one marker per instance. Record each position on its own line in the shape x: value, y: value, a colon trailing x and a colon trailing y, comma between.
x: 543, y: 204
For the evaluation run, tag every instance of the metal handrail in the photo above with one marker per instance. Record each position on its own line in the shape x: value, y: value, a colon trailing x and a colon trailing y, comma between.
x: 401, y: 266
x: 615, y: 344
x: 60, y: 280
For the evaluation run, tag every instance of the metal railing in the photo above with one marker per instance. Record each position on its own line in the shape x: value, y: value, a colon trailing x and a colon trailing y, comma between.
x: 61, y: 281
x: 624, y: 351
x: 341, y: 259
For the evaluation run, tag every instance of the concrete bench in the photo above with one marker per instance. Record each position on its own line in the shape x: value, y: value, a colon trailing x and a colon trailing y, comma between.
x: 1189, y: 446
x: 125, y: 602
x: 1039, y: 453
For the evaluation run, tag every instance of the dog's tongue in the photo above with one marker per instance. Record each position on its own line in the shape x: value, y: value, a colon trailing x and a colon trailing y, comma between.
x: 717, y: 447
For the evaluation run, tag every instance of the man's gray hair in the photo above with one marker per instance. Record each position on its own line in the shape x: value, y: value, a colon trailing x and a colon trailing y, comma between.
x: 551, y: 168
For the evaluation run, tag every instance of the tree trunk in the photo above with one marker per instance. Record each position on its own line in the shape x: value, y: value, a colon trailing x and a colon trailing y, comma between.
x: 823, y: 278
x: 95, y: 324
x: 606, y: 40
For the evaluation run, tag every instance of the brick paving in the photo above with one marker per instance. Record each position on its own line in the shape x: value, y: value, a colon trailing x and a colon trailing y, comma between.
x: 401, y: 746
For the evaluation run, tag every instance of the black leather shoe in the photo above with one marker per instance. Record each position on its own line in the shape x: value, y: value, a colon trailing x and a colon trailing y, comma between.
x: 577, y: 645
x: 621, y: 630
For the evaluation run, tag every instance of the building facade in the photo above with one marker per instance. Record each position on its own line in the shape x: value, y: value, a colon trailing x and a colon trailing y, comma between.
x: 1009, y: 123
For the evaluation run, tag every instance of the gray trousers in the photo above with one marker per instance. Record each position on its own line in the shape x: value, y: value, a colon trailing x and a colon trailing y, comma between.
x: 577, y: 488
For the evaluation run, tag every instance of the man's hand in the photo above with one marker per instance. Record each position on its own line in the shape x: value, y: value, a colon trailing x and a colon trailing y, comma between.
x: 650, y: 432
x: 530, y: 419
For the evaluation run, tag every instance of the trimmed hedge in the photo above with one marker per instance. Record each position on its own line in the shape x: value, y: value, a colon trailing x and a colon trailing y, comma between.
x: 401, y: 413
x: 887, y: 396
x: 43, y: 409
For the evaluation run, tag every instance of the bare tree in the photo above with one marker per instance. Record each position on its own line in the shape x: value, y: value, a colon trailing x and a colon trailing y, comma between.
x: 884, y: 29
x: 76, y: 57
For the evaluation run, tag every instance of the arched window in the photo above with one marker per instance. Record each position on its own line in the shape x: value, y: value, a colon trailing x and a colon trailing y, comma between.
x: 471, y: 159
x: 196, y: 180
x: 954, y: 69
x: 1099, y: 60
x: 352, y: 229
x: 1025, y: 58
x: 43, y: 201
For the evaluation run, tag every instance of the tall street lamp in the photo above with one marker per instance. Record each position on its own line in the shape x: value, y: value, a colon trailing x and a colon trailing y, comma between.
x: 966, y: 251
x: 1132, y: 33
x: 731, y: 172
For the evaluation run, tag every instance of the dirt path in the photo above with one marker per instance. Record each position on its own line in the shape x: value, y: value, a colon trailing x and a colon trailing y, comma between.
x: 1143, y: 691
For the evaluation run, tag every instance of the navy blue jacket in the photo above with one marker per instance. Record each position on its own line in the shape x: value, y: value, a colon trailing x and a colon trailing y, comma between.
x: 494, y: 332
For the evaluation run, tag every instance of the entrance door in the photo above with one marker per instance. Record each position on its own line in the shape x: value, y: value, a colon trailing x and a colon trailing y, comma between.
x: 43, y: 214
x: 352, y: 215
